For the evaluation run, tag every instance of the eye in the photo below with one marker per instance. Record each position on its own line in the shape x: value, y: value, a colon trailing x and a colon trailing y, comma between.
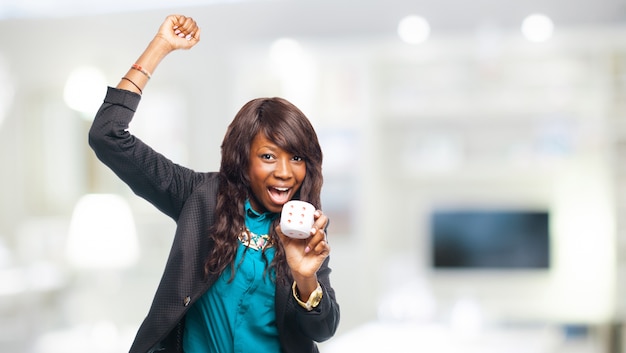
x: 297, y: 158
x: 266, y: 156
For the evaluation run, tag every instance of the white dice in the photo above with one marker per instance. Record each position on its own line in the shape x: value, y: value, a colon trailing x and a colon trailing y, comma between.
x: 296, y: 219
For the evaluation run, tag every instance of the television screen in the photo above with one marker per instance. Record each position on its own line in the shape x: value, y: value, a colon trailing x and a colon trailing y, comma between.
x: 490, y: 239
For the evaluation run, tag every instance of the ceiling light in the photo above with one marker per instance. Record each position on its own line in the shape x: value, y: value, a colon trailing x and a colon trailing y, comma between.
x: 537, y: 28
x: 84, y: 90
x: 413, y: 29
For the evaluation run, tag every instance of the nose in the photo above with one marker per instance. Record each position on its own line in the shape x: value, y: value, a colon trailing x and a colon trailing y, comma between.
x: 283, y: 169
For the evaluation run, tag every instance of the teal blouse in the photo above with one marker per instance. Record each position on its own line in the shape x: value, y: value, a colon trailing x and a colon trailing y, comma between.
x: 238, y: 316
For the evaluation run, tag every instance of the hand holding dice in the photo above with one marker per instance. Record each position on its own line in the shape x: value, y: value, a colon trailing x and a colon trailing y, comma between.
x: 303, y: 235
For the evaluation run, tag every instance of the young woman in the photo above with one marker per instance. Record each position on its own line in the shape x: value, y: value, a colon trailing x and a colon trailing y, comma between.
x: 233, y: 281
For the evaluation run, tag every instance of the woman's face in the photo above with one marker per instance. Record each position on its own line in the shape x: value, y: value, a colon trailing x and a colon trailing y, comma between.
x: 275, y: 174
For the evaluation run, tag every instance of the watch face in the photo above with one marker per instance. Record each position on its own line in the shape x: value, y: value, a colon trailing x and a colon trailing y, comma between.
x: 316, y: 297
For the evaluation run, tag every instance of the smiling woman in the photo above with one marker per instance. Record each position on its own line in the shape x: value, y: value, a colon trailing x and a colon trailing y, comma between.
x: 275, y: 174
x: 229, y: 253
x: 283, y: 149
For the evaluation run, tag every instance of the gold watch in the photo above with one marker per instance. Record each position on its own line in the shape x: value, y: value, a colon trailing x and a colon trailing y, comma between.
x: 314, y: 299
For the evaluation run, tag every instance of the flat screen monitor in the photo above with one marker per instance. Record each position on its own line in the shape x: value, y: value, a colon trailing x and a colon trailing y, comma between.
x: 490, y: 239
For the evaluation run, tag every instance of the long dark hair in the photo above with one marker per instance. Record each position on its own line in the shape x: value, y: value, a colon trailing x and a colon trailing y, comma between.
x: 285, y: 125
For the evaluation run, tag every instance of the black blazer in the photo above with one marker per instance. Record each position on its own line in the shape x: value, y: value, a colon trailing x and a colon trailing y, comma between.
x: 189, y: 198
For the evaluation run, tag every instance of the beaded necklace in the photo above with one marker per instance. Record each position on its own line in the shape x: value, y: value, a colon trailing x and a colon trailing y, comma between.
x: 259, y: 222
x: 253, y: 240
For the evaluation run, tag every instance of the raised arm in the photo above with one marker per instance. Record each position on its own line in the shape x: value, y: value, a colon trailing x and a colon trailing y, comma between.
x: 176, y: 32
x: 149, y: 174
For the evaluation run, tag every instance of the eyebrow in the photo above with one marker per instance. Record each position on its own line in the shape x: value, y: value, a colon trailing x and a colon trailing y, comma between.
x: 271, y: 148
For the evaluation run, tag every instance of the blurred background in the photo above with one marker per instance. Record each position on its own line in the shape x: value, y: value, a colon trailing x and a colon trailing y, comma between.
x: 474, y: 168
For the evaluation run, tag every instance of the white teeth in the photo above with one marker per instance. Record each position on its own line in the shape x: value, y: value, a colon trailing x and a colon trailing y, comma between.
x: 282, y: 189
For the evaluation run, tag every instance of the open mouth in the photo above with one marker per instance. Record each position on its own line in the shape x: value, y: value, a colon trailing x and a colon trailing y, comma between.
x: 279, y: 195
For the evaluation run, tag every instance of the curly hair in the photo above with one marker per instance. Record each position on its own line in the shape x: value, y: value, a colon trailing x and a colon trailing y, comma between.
x: 285, y: 125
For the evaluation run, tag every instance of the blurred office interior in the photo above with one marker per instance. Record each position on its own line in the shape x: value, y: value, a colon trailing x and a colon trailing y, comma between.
x: 420, y: 106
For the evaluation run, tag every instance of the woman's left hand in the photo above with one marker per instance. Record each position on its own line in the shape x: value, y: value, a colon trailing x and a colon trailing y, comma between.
x: 305, y: 256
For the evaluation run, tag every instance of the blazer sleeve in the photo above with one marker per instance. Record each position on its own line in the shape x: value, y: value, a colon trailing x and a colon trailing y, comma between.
x: 320, y: 323
x: 300, y: 329
x: 149, y: 174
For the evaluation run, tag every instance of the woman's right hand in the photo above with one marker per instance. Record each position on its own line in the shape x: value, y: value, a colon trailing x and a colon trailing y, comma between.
x: 179, y: 31
x: 176, y: 32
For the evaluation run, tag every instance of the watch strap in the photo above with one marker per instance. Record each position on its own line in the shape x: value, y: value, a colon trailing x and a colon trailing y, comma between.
x: 314, y: 299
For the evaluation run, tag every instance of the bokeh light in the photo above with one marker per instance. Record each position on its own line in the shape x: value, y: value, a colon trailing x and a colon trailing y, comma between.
x: 537, y: 28
x: 414, y: 29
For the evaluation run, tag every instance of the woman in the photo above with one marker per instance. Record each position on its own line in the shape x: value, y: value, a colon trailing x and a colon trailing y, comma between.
x: 233, y: 281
